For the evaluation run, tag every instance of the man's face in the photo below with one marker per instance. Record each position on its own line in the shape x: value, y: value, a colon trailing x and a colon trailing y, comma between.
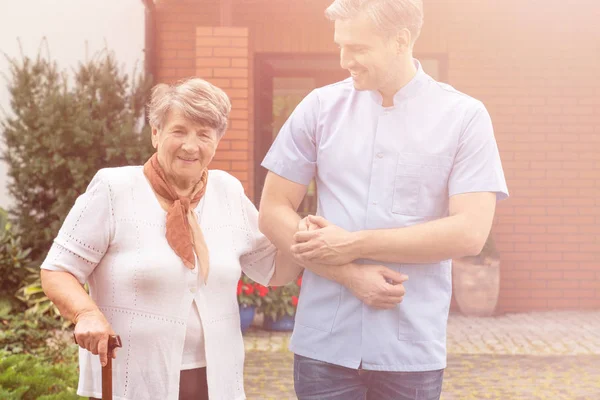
x: 370, y: 57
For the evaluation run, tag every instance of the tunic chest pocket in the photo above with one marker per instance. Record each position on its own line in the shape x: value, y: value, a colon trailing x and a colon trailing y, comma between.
x: 421, y: 185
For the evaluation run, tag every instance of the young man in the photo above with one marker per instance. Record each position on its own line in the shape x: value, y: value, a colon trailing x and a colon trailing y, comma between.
x: 408, y: 175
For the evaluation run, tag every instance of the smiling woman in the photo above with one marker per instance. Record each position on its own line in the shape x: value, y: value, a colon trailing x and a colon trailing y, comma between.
x: 146, y: 239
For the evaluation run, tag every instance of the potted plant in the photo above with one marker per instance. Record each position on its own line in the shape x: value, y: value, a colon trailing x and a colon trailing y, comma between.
x: 279, y: 306
x: 476, y: 281
x: 250, y: 296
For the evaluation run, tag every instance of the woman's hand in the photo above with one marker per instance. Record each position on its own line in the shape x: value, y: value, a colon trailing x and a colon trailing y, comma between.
x: 92, y: 331
x: 323, y: 242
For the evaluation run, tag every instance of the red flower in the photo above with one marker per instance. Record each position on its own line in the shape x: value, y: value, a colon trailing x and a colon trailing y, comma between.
x: 294, y: 301
x: 239, y: 288
x: 248, y: 289
x: 299, y: 281
x: 262, y: 291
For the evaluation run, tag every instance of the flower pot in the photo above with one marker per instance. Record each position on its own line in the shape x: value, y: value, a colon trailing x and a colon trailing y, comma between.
x: 284, y: 323
x: 246, y: 316
x: 476, y: 286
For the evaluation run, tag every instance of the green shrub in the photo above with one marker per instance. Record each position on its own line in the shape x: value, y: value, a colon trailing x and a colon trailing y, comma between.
x: 62, y: 130
x: 40, y: 336
x: 13, y: 258
x: 24, y: 377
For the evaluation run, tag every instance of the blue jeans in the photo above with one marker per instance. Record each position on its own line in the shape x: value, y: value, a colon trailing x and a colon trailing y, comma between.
x: 317, y: 380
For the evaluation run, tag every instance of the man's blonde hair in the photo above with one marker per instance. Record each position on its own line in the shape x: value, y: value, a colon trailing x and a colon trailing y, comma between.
x: 389, y: 16
x: 198, y: 100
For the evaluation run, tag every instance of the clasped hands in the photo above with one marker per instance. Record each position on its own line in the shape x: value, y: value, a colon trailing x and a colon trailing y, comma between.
x: 320, y: 244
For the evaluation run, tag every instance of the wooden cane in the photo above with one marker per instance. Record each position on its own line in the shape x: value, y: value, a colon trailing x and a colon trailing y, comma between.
x: 114, y: 341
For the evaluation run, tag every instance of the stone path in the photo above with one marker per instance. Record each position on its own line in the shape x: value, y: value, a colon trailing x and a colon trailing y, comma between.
x: 549, y: 355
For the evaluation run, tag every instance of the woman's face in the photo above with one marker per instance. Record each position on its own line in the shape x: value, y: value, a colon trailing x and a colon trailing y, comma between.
x: 184, y: 148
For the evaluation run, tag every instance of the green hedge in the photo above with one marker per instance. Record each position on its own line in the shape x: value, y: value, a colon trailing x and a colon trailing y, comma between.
x: 24, y: 377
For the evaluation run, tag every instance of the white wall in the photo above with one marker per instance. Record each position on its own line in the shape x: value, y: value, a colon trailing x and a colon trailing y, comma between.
x: 68, y: 25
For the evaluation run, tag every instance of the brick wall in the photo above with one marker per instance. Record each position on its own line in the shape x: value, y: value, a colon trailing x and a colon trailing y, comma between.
x: 222, y: 59
x: 533, y: 63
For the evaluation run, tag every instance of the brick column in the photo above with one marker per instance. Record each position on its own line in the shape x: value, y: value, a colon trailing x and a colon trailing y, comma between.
x: 222, y: 59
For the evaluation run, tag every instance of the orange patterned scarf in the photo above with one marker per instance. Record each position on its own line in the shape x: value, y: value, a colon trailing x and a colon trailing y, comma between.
x: 183, y: 231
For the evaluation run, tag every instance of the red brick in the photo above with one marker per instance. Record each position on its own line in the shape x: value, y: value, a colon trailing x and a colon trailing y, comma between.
x: 204, y: 72
x: 204, y: 31
x: 220, y: 82
x: 515, y: 256
x: 239, y: 42
x: 579, y: 293
x: 545, y: 293
x: 231, y: 72
x: 237, y: 134
x: 531, y: 284
x: 563, y: 284
x: 213, y: 62
x: 531, y: 211
x: 186, y: 72
x: 518, y: 275
x: 519, y: 247
x: 186, y: 53
x: 230, y: 52
x: 239, y: 114
x: 530, y: 229
x: 205, y: 41
x: 562, y: 211
x: 231, y: 155
x: 233, y: 32
x: 239, y: 165
x: 547, y: 275
x: 220, y: 164
x: 239, y: 145
x: 241, y: 175
x: 517, y: 293
x: 177, y: 63
x: 580, y: 275
x: 593, y: 283
x: 546, y: 256
x: 239, y: 62
x: 204, y: 51
x: 241, y: 103
x: 224, y: 145
x: 563, y: 303
x: 546, y: 238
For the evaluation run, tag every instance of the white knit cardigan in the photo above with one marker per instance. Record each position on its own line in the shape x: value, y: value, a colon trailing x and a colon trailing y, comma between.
x: 114, y: 239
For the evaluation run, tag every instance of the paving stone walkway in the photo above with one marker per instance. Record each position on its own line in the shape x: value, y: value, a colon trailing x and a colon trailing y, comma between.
x: 549, y: 355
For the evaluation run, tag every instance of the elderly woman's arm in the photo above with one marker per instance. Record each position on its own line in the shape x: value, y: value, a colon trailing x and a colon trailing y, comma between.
x: 77, y: 249
x: 91, y: 327
x: 286, y: 270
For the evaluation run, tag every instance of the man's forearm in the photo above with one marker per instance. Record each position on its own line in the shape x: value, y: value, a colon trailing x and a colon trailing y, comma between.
x: 432, y: 241
x: 279, y: 224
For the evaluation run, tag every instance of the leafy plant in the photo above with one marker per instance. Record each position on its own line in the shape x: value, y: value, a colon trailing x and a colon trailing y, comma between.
x: 62, y: 130
x: 13, y: 258
x: 23, y: 377
x: 250, y: 293
x: 40, y: 336
x: 281, y: 300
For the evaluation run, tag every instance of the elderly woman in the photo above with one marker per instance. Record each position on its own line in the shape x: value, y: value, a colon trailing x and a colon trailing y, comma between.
x: 162, y: 247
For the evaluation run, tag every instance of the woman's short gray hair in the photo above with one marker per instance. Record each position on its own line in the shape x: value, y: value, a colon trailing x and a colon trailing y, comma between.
x: 198, y: 100
x: 389, y: 16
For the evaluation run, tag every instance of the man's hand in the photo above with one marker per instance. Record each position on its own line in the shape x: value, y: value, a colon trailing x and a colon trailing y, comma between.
x: 329, y: 244
x: 91, y: 332
x: 304, y: 225
x: 376, y: 286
